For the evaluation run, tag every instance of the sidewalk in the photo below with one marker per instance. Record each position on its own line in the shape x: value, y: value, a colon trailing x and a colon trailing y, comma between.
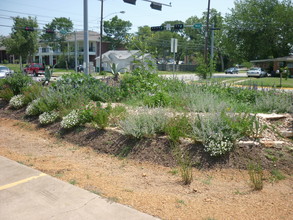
x: 28, y: 194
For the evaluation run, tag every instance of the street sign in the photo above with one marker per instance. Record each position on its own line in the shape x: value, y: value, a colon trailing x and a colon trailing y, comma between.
x: 62, y: 31
x: 174, y: 44
x: 168, y: 27
x: 197, y: 26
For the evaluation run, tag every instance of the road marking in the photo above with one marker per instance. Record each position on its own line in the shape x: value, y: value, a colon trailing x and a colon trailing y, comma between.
x: 21, y: 181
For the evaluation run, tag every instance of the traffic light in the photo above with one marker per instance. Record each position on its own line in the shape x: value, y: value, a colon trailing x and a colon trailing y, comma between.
x: 133, y: 2
x: 50, y: 31
x: 29, y: 29
x: 156, y: 6
x: 157, y: 28
x: 178, y: 26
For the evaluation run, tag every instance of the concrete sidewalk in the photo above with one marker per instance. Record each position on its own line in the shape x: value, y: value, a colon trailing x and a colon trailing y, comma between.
x: 26, y: 193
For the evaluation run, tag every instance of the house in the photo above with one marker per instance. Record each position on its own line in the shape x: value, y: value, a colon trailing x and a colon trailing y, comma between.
x: 272, y: 65
x: 124, y: 59
x: 75, y: 44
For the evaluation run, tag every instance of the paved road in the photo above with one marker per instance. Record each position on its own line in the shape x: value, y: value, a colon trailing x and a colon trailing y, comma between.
x: 194, y: 77
x: 27, y: 194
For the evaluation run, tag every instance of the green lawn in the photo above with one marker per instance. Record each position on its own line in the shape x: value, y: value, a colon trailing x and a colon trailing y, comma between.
x: 268, y: 82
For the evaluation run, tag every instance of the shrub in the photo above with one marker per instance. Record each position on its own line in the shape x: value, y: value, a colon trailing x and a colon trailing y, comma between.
x: 215, y: 133
x: 48, y: 117
x: 71, y: 120
x: 16, y: 82
x: 17, y: 101
x: 32, y: 108
x: 177, y: 127
x: 274, y: 102
x: 6, y: 93
x: 144, y: 124
x: 32, y: 92
x: 101, y: 118
x: 117, y: 114
x: 159, y: 99
x: 255, y: 172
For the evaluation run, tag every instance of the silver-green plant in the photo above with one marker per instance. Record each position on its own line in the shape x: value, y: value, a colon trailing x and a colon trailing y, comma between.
x: 144, y: 124
x: 17, y: 101
x: 216, y: 135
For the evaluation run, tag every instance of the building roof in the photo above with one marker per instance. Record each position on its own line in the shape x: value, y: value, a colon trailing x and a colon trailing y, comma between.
x: 120, y: 54
x: 93, y: 36
x: 279, y: 59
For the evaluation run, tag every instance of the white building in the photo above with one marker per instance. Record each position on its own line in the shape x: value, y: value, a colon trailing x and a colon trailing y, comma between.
x: 124, y: 59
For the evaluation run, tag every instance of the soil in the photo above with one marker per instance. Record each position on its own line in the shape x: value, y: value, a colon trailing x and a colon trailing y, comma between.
x: 144, y: 175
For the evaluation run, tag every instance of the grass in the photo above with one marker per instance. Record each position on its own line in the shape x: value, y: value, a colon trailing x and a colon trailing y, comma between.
x: 268, y: 82
x: 255, y: 172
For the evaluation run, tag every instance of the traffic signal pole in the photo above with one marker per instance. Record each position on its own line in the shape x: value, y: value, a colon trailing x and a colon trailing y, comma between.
x: 86, y: 37
x: 206, y: 34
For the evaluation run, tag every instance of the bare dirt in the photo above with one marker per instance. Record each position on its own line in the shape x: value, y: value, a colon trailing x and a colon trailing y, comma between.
x: 143, y: 174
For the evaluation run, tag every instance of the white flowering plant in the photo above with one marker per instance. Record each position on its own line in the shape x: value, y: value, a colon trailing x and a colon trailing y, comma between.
x: 218, y: 145
x: 32, y: 108
x: 48, y: 117
x: 71, y: 120
x: 17, y: 101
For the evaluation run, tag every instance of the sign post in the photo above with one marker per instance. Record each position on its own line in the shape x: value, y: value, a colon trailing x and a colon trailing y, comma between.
x: 174, y: 45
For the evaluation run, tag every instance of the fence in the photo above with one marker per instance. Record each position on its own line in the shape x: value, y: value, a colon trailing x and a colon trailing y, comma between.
x: 179, y: 68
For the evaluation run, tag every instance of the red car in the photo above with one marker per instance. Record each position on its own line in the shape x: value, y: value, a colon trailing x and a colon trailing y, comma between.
x: 35, y: 68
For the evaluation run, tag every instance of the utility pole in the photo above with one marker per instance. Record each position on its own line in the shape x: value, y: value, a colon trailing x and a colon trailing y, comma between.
x: 75, y: 51
x: 86, y: 37
x: 212, y: 42
x: 101, y: 36
x: 206, y: 34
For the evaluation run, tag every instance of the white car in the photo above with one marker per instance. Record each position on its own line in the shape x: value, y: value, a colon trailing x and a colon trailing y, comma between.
x: 4, y: 71
x: 256, y: 72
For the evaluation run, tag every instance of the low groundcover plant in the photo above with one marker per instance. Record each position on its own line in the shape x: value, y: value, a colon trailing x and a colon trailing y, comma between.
x: 17, y: 101
x: 48, y: 117
x: 71, y: 120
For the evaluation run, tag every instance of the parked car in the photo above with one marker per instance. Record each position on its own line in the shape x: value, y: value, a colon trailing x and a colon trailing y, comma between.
x: 256, y: 72
x: 35, y: 68
x: 232, y: 70
x: 5, y: 71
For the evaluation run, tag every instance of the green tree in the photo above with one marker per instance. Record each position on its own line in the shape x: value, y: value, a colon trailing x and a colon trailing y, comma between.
x: 61, y: 26
x: 22, y: 43
x: 117, y: 31
x: 258, y: 29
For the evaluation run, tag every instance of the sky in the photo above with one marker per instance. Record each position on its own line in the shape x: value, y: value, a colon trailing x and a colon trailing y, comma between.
x: 139, y: 15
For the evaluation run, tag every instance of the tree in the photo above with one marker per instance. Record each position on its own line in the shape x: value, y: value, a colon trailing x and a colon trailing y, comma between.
x: 61, y: 26
x: 117, y: 30
x: 22, y: 43
x: 259, y: 29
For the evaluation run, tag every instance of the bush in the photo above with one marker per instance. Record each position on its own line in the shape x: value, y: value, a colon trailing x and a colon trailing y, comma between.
x: 215, y: 133
x: 17, y: 101
x: 71, y: 120
x: 101, y: 118
x: 48, y: 117
x: 177, y: 127
x: 144, y: 124
x: 32, y: 109
x: 159, y: 99
x: 16, y: 82
x: 274, y: 102
x: 32, y: 92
